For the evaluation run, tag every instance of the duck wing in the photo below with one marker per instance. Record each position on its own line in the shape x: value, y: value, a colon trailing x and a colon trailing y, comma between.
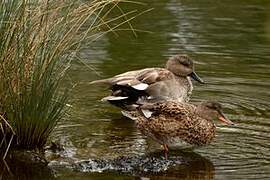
x: 130, y: 88
x: 138, y: 79
x: 175, y: 124
x: 169, y: 109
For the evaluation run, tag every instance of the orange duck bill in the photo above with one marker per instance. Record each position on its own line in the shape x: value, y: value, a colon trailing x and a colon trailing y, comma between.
x: 224, y: 119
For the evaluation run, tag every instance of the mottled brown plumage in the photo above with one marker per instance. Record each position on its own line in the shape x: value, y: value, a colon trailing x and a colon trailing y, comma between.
x: 170, y: 83
x: 172, y: 123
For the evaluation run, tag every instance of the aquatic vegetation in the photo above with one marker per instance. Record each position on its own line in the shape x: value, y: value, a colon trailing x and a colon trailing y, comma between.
x: 38, y: 39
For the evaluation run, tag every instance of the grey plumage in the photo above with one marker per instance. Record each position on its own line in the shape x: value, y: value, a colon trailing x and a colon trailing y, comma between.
x: 155, y: 84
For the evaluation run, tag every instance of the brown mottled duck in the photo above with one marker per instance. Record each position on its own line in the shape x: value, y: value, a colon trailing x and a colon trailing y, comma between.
x: 176, y: 124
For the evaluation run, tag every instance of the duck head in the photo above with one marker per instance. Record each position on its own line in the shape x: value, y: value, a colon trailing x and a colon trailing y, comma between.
x: 212, y: 110
x: 182, y: 65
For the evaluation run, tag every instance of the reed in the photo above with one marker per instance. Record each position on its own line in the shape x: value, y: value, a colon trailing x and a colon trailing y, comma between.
x: 38, y: 39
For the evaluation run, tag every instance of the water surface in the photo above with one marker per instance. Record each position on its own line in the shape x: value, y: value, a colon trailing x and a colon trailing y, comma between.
x: 230, y: 41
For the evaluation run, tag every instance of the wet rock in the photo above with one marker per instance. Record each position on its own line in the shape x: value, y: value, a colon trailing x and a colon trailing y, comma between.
x: 131, y: 165
x: 179, y: 164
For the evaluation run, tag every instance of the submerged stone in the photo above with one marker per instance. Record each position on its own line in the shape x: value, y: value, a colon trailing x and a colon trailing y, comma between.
x: 178, y: 164
x: 152, y: 163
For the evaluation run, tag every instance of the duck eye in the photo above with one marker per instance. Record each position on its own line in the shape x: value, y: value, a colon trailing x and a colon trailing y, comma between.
x: 211, y: 106
x: 185, y: 63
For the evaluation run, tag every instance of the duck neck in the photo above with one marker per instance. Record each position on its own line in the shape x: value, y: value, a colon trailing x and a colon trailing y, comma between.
x: 190, y: 86
x: 186, y: 83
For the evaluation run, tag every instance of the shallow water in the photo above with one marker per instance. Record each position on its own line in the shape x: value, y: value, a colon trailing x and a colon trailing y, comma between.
x: 230, y: 41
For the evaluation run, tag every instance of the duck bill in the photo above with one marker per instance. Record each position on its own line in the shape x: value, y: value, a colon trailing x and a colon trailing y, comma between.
x: 224, y: 119
x: 194, y: 76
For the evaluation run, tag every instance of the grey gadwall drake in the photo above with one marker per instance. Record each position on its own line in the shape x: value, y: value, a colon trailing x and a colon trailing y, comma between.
x: 170, y: 83
x: 175, y: 124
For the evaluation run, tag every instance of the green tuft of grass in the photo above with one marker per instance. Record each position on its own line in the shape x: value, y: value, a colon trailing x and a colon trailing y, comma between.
x: 38, y: 38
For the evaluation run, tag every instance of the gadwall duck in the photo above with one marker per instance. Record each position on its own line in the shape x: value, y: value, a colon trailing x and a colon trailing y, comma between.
x: 175, y: 124
x: 153, y: 84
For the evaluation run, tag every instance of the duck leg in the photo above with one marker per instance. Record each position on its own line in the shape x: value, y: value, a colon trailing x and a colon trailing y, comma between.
x: 166, y: 150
